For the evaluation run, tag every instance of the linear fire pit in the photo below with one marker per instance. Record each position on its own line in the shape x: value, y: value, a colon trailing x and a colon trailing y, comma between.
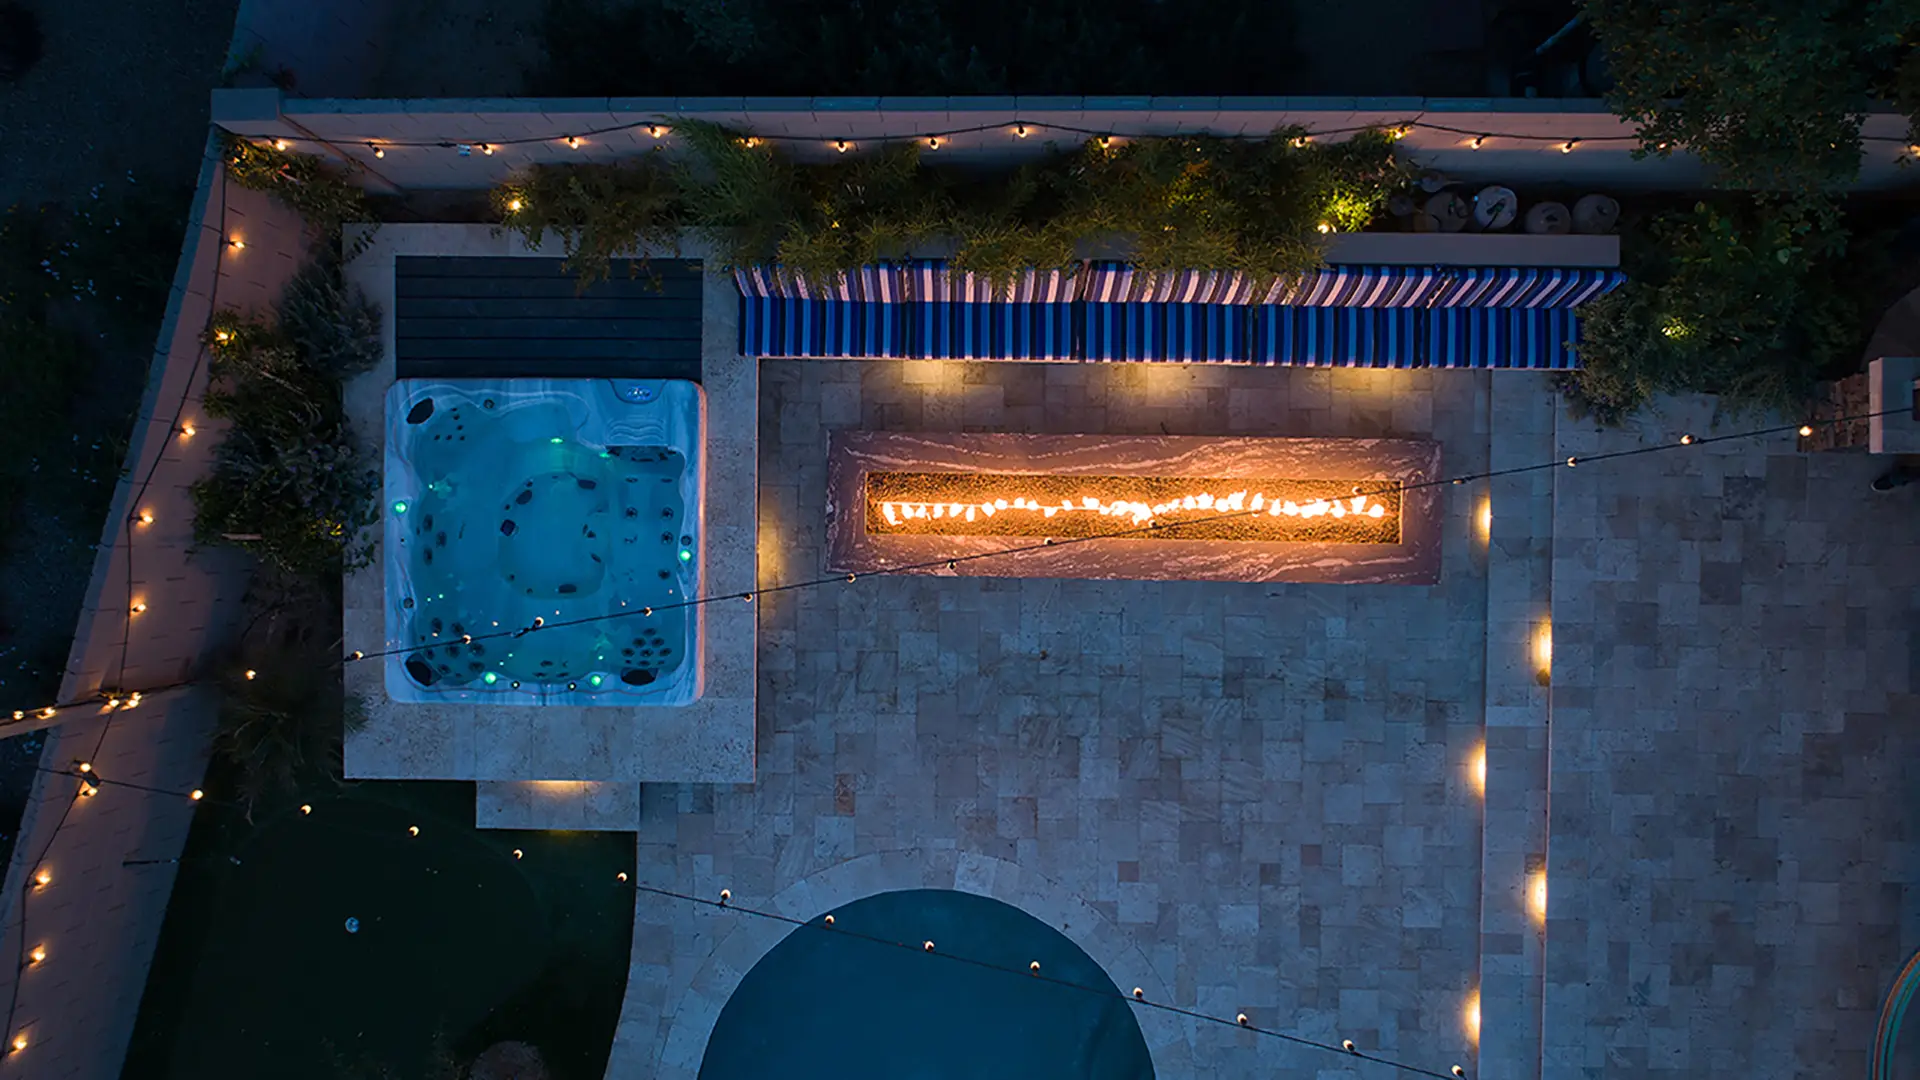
x: 1352, y: 511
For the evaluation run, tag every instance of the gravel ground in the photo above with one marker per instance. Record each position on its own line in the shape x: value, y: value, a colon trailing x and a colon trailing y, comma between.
x: 121, y: 87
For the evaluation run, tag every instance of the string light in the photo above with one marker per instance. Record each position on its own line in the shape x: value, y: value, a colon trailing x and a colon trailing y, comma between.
x: 1126, y: 532
x: 306, y: 808
x: 517, y: 853
x: 85, y: 766
x: 513, y: 206
x: 251, y: 674
x: 573, y: 142
x: 1106, y: 142
x: 621, y: 877
x: 1806, y: 430
x: 413, y: 830
x: 1477, y: 142
x: 236, y: 243
x: 1347, y: 1045
x: 656, y: 130
x: 1325, y: 228
x: 281, y: 145
x: 927, y: 946
x: 750, y: 141
x: 38, y: 954
x: 1567, y: 147
x: 1686, y: 440
x: 187, y: 431
x: 933, y: 142
x: 1301, y: 140
x: 378, y: 150
x: 222, y: 336
x: 139, y: 606
x: 1020, y: 131
x: 20, y: 1041
x: 487, y: 149
x: 726, y: 895
x: 843, y: 146
x: 196, y: 795
x: 46, y: 713
x: 1034, y: 967
x: 43, y: 878
x: 146, y: 517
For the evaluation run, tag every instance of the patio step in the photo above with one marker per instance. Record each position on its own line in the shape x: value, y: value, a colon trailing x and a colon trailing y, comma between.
x: 596, y: 806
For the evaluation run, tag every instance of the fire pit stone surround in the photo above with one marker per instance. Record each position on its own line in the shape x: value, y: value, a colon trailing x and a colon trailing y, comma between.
x: 855, y: 547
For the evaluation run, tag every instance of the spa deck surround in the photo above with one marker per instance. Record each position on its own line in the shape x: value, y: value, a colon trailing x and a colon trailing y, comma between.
x: 709, y: 740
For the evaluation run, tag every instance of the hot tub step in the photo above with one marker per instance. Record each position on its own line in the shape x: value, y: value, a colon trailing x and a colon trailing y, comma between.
x: 596, y: 806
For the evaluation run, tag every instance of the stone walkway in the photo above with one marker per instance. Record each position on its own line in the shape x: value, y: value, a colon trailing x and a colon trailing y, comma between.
x: 1265, y: 790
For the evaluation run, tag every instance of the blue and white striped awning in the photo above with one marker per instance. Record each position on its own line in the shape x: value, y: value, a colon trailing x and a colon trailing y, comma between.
x: 885, y: 283
x: 931, y: 281
x: 1176, y: 333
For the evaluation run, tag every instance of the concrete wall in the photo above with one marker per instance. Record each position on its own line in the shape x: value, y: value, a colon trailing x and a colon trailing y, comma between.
x: 99, y: 919
x: 1523, y: 147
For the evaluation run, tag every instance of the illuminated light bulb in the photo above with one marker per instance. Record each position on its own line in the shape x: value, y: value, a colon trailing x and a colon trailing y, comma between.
x: 222, y: 336
x: 38, y: 954
x: 1241, y: 1019
x: 1458, y: 1071
x: 1302, y: 140
x: 280, y: 144
x: 829, y: 920
x: 89, y: 789
x: 413, y: 830
x: 236, y: 243
x: 595, y: 680
x: 1537, y: 895
x: 1325, y: 228
x: 113, y: 703
x: 251, y: 674
x: 727, y: 894
x: 1686, y: 440
x: 1376, y: 511
x: 85, y: 766
x: 139, y: 606
x: 1034, y: 967
x: 842, y: 145
x: 358, y: 655
x: 146, y: 517
x: 933, y: 142
x: 1347, y: 1045
x: 133, y: 699
x: 46, y: 713
x: 1106, y: 142
x: 20, y: 1041
x: 1806, y: 430
x: 539, y: 621
x: 656, y: 130
x: 621, y: 876
x: 1402, y: 131
x: 378, y: 151
x: 927, y: 945
x: 1477, y: 142
x: 748, y: 597
x: 1480, y: 769
x: 196, y: 795
x: 187, y: 431
x: 19, y: 714
x: 1473, y: 1017
x: 400, y: 507
x: 517, y: 853
x: 1567, y: 147
x: 490, y: 678
x: 750, y: 142
x: 44, y: 877
x: 1572, y: 461
x: 487, y: 149
x: 1139, y: 994
x: 573, y: 142
x: 306, y: 808
x: 513, y: 206
x: 1020, y: 131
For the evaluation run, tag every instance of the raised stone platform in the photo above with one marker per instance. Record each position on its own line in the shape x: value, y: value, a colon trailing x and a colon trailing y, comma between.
x: 1393, y: 477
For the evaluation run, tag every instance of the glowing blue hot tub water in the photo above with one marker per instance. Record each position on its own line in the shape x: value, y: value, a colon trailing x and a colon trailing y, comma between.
x: 574, y: 502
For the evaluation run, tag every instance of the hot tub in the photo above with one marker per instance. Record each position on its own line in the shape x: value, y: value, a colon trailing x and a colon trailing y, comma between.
x: 542, y: 541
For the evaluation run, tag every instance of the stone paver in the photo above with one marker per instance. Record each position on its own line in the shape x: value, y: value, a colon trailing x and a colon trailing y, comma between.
x: 1263, y: 789
x: 1734, y: 722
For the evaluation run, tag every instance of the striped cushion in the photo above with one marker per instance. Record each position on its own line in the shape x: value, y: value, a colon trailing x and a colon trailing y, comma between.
x: 1003, y: 331
x: 784, y: 327
x: 1338, y: 337
x: 1537, y: 339
x: 1177, y: 333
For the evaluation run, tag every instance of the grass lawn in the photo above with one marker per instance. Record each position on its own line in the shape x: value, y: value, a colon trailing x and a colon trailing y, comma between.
x: 459, y: 944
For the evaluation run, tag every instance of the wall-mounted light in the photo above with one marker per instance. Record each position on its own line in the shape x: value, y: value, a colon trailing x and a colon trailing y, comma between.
x: 1478, y: 768
x: 1543, y: 651
x: 1537, y: 896
x: 1472, y: 1016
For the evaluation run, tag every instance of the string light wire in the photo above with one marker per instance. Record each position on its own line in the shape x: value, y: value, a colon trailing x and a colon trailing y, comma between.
x: 1032, y: 972
x: 1689, y: 442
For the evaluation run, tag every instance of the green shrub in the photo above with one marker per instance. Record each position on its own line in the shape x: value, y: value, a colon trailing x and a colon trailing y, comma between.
x: 1744, y: 298
x: 287, y: 471
x: 1259, y: 206
x: 301, y: 181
